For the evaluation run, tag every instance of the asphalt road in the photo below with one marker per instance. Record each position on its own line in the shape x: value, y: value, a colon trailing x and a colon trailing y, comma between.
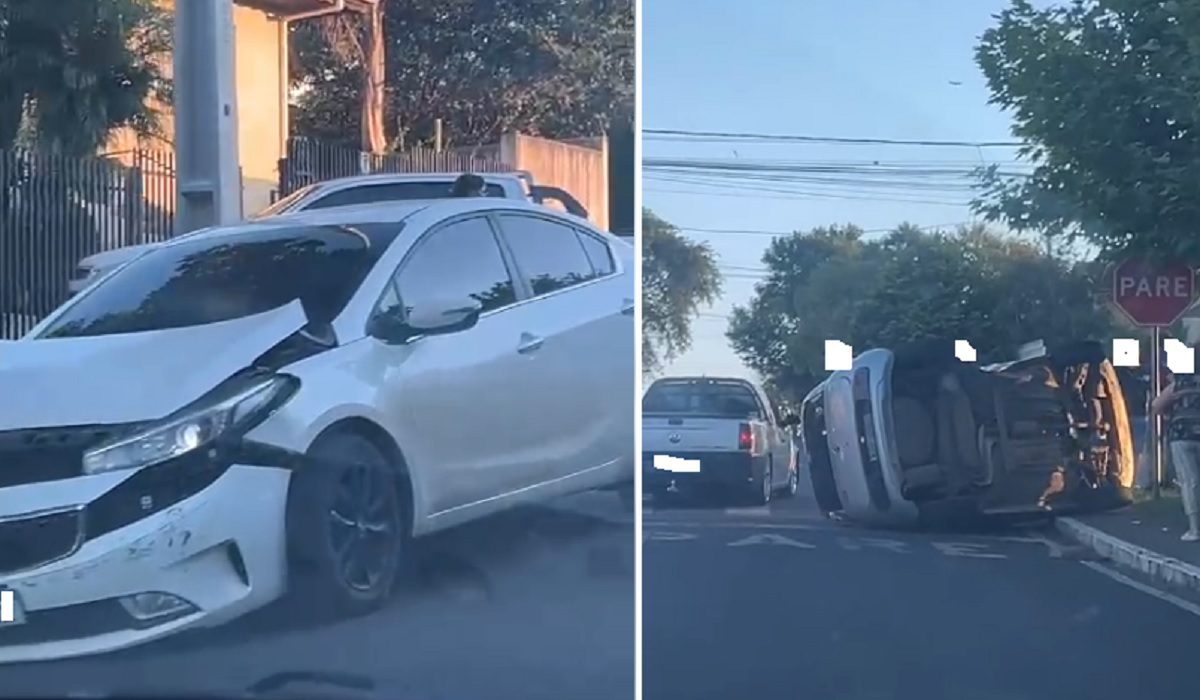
x: 537, y: 603
x: 779, y: 603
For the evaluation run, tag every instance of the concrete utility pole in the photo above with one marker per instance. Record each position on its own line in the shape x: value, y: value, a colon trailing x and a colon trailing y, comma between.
x: 209, y: 188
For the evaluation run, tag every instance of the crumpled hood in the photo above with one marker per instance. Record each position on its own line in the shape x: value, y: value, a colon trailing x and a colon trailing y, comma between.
x: 130, y: 377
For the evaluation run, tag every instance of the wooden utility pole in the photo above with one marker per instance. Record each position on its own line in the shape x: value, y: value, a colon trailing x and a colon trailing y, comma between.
x: 374, y: 139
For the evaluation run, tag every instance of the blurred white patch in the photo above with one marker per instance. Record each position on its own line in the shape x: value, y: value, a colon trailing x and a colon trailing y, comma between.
x: 1180, y: 358
x: 679, y: 465
x: 8, y: 607
x: 963, y: 351
x: 838, y: 356
x: 1126, y: 352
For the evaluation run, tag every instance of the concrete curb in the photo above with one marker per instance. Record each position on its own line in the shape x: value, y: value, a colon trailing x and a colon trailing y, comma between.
x: 1163, y: 569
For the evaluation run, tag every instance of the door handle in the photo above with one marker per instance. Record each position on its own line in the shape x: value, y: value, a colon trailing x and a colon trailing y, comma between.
x: 627, y: 307
x: 529, y: 343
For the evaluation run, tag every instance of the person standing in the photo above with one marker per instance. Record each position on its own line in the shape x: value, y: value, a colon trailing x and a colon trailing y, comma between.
x: 1179, y: 404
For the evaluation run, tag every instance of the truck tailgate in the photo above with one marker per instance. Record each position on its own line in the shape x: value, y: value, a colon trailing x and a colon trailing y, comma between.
x: 664, y: 434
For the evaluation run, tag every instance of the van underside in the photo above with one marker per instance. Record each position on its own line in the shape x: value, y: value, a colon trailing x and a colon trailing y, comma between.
x: 1049, y: 433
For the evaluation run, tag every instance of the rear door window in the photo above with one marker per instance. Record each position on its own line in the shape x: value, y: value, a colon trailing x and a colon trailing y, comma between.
x: 549, y: 254
x: 598, y: 253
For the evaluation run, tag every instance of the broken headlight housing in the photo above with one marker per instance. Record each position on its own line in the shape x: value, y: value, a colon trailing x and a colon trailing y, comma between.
x: 227, y: 412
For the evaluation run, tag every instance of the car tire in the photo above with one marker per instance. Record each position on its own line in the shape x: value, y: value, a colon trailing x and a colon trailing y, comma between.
x: 348, y: 526
x: 763, y: 487
x: 793, y: 484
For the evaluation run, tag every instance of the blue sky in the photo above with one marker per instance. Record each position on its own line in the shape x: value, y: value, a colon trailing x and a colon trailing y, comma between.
x: 841, y: 68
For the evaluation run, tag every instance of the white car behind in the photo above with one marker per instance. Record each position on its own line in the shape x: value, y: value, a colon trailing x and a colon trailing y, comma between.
x: 282, y: 404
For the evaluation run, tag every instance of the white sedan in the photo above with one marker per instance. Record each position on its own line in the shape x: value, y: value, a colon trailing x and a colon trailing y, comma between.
x: 282, y: 405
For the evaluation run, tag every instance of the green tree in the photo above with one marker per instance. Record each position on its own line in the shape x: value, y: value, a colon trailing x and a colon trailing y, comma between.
x: 555, y: 68
x: 1104, y: 92
x: 768, y: 333
x: 910, y: 286
x: 679, y: 277
x: 72, y: 71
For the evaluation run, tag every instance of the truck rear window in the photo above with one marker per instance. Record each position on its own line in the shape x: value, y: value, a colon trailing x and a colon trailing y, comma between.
x: 707, y: 399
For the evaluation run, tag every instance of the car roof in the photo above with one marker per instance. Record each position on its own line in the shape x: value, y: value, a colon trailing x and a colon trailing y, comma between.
x: 381, y: 212
x: 370, y: 178
x: 705, y: 380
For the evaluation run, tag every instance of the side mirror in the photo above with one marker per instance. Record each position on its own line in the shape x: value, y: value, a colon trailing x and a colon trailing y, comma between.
x: 435, y: 317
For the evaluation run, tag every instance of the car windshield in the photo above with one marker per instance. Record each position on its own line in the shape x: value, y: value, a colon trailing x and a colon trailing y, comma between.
x: 701, y: 399
x: 284, y: 204
x: 218, y: 278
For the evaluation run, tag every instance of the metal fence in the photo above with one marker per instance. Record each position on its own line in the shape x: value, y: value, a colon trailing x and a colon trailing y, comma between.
x: 56, y: 210
x: 310, y: 161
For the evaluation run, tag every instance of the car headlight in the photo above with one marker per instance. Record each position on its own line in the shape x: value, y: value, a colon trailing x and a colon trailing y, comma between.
x: 220, y: 416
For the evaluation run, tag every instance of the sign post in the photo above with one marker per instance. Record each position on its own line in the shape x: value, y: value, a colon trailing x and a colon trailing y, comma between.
x: 1154, y: 296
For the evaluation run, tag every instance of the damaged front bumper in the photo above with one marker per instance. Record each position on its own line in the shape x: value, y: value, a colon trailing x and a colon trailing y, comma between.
x: 103, y: 562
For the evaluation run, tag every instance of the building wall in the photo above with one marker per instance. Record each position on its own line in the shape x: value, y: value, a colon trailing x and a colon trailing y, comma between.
x: 260, y: 81
x: 579, y: 167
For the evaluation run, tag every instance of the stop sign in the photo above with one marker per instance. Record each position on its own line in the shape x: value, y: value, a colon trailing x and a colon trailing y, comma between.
x: 1153, y: 294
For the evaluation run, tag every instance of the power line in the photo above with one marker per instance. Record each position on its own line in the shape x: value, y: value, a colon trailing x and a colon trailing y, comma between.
x: 827, y: 190
x: 686, y: 135
x: 767, y: 232
x: 804, y: 195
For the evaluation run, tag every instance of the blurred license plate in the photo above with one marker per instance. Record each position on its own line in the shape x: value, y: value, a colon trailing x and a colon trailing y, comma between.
x: 12, y: 612
x: 677, y: 464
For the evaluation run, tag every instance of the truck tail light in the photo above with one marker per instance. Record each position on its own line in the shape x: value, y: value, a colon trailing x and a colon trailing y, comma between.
x: 745, y: 437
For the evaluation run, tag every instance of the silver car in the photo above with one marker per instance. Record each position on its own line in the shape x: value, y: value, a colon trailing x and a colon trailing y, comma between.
x: 914, y: 433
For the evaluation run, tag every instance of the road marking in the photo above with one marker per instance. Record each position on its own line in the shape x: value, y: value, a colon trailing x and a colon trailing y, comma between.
x: 670, y: 536
x: 1144, y: 588
x: 718, y: 525
x: 770, y: 539
x: 966, y: 549
x: 890, y: 545
x: 756, y: 512
x: 1056, y: 550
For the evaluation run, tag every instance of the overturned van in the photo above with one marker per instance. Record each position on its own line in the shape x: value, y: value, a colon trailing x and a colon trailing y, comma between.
x: 912, y: 433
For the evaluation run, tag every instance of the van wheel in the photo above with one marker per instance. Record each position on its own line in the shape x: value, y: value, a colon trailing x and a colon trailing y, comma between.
x: 347, y: 526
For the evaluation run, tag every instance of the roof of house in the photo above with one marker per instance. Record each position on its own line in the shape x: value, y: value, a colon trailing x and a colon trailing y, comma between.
x: 289, y: 9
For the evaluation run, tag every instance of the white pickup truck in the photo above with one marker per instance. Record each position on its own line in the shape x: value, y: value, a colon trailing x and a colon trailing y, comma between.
x: 716, y: 433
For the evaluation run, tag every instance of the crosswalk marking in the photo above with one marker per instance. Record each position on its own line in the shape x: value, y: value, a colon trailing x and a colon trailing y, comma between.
x: 756, y: 512
x: 770, y: 539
